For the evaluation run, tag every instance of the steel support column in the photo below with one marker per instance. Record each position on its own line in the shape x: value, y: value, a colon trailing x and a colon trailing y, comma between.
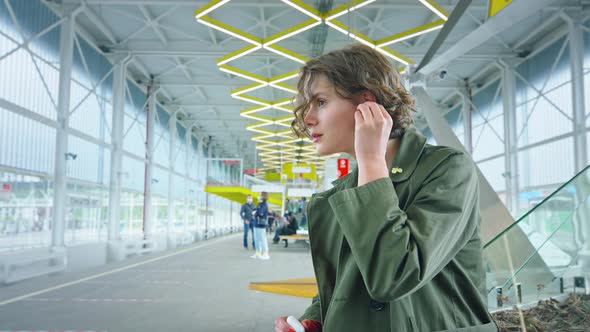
x: 149, y: 167
x: 466, y: 110
x: 187, y: 162
x: 66, y: 47
x: 200, y: 185
x: 171, y: 188
x: 207, y: 170
x: 510, y: 137
x: 576, y: 46
x: 119, y: 74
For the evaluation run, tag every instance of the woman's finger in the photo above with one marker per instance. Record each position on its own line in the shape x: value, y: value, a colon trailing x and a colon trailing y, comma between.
x: 376, y: 111
x: 358, y: 117
x: 281, y: 324
x: 370, y: 109
x: 386, y: 115
x: 366, y: 113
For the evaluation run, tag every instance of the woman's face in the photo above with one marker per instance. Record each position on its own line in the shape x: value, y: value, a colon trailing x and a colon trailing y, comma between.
x: 330, y: 119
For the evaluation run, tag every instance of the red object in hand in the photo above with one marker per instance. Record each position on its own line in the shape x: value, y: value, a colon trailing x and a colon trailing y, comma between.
x: 308, y: 324
x: 312, y: 325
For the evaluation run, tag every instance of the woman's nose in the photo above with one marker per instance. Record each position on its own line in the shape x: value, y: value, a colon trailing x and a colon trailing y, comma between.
x: 310, y: 118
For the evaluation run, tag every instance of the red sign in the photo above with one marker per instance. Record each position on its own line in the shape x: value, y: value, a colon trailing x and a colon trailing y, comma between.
x: 342, y: 167
x: 250, y: 171
x: 6, y: 187
x: 231, y: 162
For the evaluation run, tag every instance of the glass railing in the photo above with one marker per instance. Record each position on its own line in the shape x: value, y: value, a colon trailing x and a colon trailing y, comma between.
x: 544, y: 253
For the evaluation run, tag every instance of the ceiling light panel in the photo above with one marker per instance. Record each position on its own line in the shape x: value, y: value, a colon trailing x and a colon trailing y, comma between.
x: 271, y: 98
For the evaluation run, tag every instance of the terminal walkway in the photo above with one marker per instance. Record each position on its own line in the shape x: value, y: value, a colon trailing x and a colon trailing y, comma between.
x: 202, y: 287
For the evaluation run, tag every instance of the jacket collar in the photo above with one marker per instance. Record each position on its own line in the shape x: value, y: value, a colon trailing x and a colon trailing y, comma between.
x: 349, y: 180
x: 404, y: 163
x: 409, y: 151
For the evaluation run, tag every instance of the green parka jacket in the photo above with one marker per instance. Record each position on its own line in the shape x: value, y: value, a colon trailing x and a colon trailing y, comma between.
x: 401, y: 253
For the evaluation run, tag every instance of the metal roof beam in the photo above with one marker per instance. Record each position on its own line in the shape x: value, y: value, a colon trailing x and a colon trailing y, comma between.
x: 140, y: 66
x: 201, y: 93
x: 182, y: 67
x: 165, y: 93
x: 182, y: 49
x: 407, y: 4
x: 188, y: 105
x: 153, y: 23
x: 186, y: 35
x: 535, y: 33
x: 512, y: 14
x: 98, y: 22
x: 148, y: 23
x: 212, y: 36
x: 175, y: 67
x: 218, y: 81
x: 495, y: 36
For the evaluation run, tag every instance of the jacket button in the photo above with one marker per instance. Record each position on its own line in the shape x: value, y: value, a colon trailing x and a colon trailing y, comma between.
x: 376, y: 305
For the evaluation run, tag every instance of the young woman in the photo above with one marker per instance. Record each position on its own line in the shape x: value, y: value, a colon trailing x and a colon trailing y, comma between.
x: 395, y: 244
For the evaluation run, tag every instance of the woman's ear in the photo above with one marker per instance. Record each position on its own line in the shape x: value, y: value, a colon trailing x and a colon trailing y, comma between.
x: 368, y: 96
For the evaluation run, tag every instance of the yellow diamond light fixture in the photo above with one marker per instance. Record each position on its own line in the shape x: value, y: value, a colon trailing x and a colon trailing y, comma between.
x: 276, y: 145
x: 273, y: 141
x: 436, y: 8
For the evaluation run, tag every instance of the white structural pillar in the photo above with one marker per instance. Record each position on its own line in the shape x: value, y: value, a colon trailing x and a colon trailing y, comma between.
x: 149, y: 167
x: 200, y: 185
x: 576, y: 45
x: 171, y: 188
x: 66, y: 47
x: 187, y: 162
x: 119, y: 74
x: 466, y: 110
x: 226, y: 174
x: 510, y: 138
x: 208, y: 169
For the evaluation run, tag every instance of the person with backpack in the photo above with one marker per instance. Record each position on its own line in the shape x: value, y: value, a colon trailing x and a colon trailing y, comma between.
x: 261, y: 221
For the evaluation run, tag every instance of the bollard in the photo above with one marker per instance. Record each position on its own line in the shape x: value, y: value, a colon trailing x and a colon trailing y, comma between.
x: 580, y: 282
x: 561, y: 285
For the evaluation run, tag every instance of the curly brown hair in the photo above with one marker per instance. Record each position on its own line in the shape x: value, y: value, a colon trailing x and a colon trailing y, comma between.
x: 353, y: 69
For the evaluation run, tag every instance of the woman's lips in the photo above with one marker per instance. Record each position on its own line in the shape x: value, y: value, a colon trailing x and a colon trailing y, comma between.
x: 315, y: 137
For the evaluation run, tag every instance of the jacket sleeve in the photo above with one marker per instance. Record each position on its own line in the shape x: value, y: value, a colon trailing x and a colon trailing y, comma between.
x: 399, y: 251
x: 243, y: 212
x: 313, y: 311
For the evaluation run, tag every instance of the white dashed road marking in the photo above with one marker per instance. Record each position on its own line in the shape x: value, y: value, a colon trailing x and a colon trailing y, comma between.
x: 67, y: 284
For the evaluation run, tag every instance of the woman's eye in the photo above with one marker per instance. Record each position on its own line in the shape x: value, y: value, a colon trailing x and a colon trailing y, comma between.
x: 321, y: 102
